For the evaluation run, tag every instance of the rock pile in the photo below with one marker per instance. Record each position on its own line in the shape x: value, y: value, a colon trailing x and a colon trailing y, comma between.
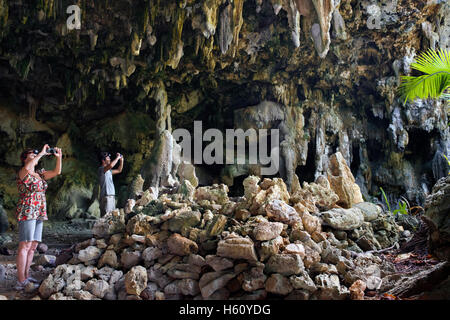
x: 198, y: 243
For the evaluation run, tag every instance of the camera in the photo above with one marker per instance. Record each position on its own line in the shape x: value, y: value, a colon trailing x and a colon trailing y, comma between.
x: 51, y: 150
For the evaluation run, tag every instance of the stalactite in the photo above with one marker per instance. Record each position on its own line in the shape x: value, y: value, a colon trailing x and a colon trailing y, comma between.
x: 176, y: 44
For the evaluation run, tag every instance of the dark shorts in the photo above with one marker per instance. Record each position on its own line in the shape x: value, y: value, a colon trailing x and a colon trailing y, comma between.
x: 30, y: 230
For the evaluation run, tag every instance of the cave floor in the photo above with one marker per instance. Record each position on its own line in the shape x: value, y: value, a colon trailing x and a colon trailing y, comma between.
x: 58, y: 236
x: 417, y: 275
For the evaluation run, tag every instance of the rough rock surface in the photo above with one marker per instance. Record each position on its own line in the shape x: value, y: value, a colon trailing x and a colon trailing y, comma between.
x: 437, y: 213
x: 343, y: 219
x: 342, y: 182
x: 136, y: 280
x: 175, y: 247
x: 304, y: 58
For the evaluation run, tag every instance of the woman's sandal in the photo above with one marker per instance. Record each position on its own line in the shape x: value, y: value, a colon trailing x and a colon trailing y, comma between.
x: 21, y: 285
x: 31, y: 279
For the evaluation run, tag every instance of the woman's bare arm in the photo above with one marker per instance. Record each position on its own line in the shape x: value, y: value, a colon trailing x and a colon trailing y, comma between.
x: 57, y: 171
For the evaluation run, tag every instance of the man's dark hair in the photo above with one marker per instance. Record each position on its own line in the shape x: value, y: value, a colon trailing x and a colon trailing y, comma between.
x: 102, y: 155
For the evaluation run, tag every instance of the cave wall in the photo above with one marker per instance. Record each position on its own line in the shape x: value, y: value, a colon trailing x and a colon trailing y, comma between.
x: 335, y: 63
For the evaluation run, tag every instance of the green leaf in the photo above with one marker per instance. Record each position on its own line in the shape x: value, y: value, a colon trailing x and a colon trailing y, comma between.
x: 385, y: 199
x: 401, y: 208
x: 434, y: 83
x: 432, y: 61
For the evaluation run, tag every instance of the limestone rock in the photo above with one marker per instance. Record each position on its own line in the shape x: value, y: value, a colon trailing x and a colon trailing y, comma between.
x: 104, y: 273
x: 437, y: 215
x: 212, y: 281
x: 87, y: 273
x: 280, y: 211
x: 184, y: 271
x: 275, y: 189
x: 180, y: 245
x: 242, y: 214
x: 303, y: 281
x: 312, y: 256
x: 218, y: 263
x: 196, y: 260
x: 97, y: 287
x: 150, y: 254
x: 157, y: 276
x: 116, y: 275
x: 215, y: 194
x: 311, y: 223
x: 147, y: 196
x: 278, y: 284
x: 313, y: 196
x: 186, y: 171
x: 129, y: 206
x: 130, y: 258
x: 172, y: 289
x: 140, y: 225
x: 342, y: 182
x: 45, y: 260
x: 84, y: 295
x: 257, y: 196
x: 187, y: 190
x: 321, y: 267
x: 251, y: 187
x: 108, y: 258
x: 330, y: 287
x: 253, y: 279
x: 298, y: 295
x: 295, y: 248
x: 91, y: 253
x: 269, y: 248
x: 285, y: 264
x: 373, y: 283
x: 357, y: 290
x: 30, y: 287
x: 364, y: 267
x: 50, y: 286
x: 343, y: 219
x: 41, y: 248
x: 112, y: 222
x: 136, y: 280
x: 236, y: 247
x: 60, y: 296
x: 216, y: 225
x: 370, y: 210
x: 267, y: 230
x: 136, y: 187
x: 188, y: 287
x: 184, y: 219
x: 73, y: 282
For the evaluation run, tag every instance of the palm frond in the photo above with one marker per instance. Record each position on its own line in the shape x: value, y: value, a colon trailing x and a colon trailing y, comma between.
x: 425, y: 86
x: 432, y: 61
x: 435, y: 64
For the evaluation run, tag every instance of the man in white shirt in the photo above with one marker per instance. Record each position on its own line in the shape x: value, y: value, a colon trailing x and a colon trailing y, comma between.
x: 105, y: 173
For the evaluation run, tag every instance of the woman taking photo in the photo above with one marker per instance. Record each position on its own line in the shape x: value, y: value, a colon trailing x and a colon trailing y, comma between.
x: 32, y: 208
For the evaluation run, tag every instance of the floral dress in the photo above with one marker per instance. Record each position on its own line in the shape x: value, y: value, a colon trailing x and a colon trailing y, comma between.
x: 32, y: 203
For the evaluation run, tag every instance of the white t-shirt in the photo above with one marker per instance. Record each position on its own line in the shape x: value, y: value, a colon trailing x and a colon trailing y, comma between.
x: 106, y: 183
